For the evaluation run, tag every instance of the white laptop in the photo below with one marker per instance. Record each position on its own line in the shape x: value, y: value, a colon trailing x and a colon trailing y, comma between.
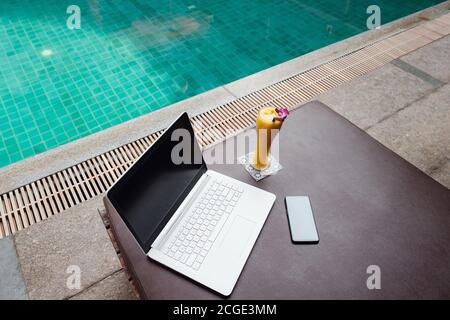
x: 195, y: 221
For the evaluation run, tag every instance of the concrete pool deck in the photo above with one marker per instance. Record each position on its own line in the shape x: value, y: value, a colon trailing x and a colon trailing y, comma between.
x: 405, y: 112
x: 404, y: 104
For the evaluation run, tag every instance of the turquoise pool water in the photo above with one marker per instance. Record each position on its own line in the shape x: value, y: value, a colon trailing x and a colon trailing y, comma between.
x: 133, y: 57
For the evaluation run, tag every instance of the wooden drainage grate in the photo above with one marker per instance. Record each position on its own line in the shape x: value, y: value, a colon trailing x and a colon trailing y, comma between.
x: 62, y: 190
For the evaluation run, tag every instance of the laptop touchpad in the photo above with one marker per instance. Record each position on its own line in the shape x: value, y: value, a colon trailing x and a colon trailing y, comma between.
x: 238, y: 236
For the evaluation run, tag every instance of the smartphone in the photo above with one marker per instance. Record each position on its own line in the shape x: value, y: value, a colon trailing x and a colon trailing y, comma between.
x: 301, y: 220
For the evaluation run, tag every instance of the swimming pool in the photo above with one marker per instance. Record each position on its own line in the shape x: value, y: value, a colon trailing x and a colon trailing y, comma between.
x: 133, y: 57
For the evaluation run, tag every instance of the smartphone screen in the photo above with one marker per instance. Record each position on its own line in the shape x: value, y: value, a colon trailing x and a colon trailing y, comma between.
x: 301, y: 220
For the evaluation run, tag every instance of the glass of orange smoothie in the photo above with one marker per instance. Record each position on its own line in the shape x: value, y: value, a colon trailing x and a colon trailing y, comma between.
x: 268, y: 123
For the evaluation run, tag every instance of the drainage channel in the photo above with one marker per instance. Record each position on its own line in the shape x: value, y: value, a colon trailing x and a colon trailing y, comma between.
x: 43, y: 198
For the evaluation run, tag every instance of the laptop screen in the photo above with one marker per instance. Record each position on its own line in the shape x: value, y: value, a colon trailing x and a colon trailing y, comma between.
x: 150, y: 192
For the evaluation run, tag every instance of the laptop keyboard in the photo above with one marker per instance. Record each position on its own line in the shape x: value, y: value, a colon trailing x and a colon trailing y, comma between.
x: 195, y: 235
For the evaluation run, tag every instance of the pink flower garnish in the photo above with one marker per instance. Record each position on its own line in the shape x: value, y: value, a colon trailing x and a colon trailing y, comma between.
x: 282, y: 113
